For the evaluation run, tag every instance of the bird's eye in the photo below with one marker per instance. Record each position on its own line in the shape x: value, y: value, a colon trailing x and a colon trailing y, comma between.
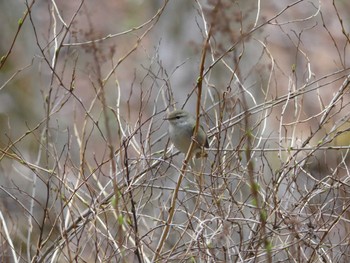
x: 177, y: 117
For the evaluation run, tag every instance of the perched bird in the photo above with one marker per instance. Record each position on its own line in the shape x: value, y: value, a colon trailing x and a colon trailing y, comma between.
x: 181, y: 128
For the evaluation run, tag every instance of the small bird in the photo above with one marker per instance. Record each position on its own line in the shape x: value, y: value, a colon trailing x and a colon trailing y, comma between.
x: 181, y: 128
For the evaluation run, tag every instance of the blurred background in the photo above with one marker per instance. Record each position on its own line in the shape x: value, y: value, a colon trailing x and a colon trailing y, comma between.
x: 86, y: 168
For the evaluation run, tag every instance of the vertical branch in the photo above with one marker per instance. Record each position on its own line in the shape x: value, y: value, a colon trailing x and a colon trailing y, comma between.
x: 138, y: 251
x: 169, y: 220
x: 254, y: 186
